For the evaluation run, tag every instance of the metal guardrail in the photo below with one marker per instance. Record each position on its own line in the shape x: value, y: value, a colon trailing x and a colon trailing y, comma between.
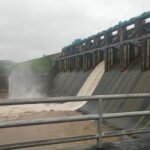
x: 98, y: 117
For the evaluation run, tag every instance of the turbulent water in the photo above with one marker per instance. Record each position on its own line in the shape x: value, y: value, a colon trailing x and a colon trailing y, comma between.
x: 23, y: 83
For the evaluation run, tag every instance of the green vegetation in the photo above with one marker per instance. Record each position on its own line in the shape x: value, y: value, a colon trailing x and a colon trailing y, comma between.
x: 40, y: 65
x: 5, y: 66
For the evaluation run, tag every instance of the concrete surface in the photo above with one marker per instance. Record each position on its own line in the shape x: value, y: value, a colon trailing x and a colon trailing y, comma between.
x: 132, y: 80
x: 139, y: 144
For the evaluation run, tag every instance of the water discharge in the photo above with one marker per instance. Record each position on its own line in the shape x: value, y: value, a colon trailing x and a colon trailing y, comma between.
x: 87, y: 89
x: 24, y: 84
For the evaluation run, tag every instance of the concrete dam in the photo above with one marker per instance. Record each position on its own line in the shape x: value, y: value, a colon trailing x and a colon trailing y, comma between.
x: 124, y: 53
x: 103, y: 80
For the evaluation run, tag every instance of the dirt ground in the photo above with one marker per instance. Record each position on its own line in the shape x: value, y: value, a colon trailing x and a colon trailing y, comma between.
x: 22, y: 134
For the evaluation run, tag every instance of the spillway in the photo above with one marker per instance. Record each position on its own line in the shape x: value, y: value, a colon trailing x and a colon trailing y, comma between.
x: 132, y: 80
x: 87, y: 89
x: 68, y: 83
x: 115, y: 81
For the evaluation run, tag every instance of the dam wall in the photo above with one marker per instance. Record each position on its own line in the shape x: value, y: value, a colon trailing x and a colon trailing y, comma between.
x: 125, y: 49
x: 132, y: 80
x: 114, y: 81
x: 67, y: 83
x: 84, y: 89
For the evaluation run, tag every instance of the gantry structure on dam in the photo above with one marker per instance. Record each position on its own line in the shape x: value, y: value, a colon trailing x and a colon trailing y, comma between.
x: 122, y: 43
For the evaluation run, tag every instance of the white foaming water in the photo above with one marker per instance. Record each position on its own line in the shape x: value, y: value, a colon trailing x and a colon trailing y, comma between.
x: 23, y: 85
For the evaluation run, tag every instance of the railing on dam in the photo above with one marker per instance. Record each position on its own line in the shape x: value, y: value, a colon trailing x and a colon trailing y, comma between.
x: 99, y: 117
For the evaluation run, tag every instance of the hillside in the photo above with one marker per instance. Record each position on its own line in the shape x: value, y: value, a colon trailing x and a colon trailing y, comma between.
x: 40, y: 65
x: 5, y: 66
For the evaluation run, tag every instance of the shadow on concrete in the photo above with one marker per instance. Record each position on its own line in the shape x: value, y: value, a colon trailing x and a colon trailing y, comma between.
x: 136, y: 144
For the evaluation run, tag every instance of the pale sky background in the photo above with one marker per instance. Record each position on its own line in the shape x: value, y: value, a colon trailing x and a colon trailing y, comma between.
x: 32, y: 28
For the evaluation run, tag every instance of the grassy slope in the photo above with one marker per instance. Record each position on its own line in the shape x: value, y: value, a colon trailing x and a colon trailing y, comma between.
x: 40, y: 65
x: 5, y: 66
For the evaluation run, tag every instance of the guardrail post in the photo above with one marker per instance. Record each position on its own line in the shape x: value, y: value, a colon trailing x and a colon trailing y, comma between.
x: 99, y: 123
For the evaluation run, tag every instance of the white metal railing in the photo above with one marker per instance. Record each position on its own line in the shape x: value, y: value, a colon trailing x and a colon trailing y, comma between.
x: 100, y: 116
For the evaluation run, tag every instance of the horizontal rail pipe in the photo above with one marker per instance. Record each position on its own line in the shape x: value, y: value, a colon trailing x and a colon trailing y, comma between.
x: 4, y: 102
x: 42, y: 121
x: 47, y: 142
x: 126, y: 132
x: 126, y: 114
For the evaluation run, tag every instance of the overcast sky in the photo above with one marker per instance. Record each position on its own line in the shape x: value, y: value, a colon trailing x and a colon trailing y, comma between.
x: 32, y: 28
